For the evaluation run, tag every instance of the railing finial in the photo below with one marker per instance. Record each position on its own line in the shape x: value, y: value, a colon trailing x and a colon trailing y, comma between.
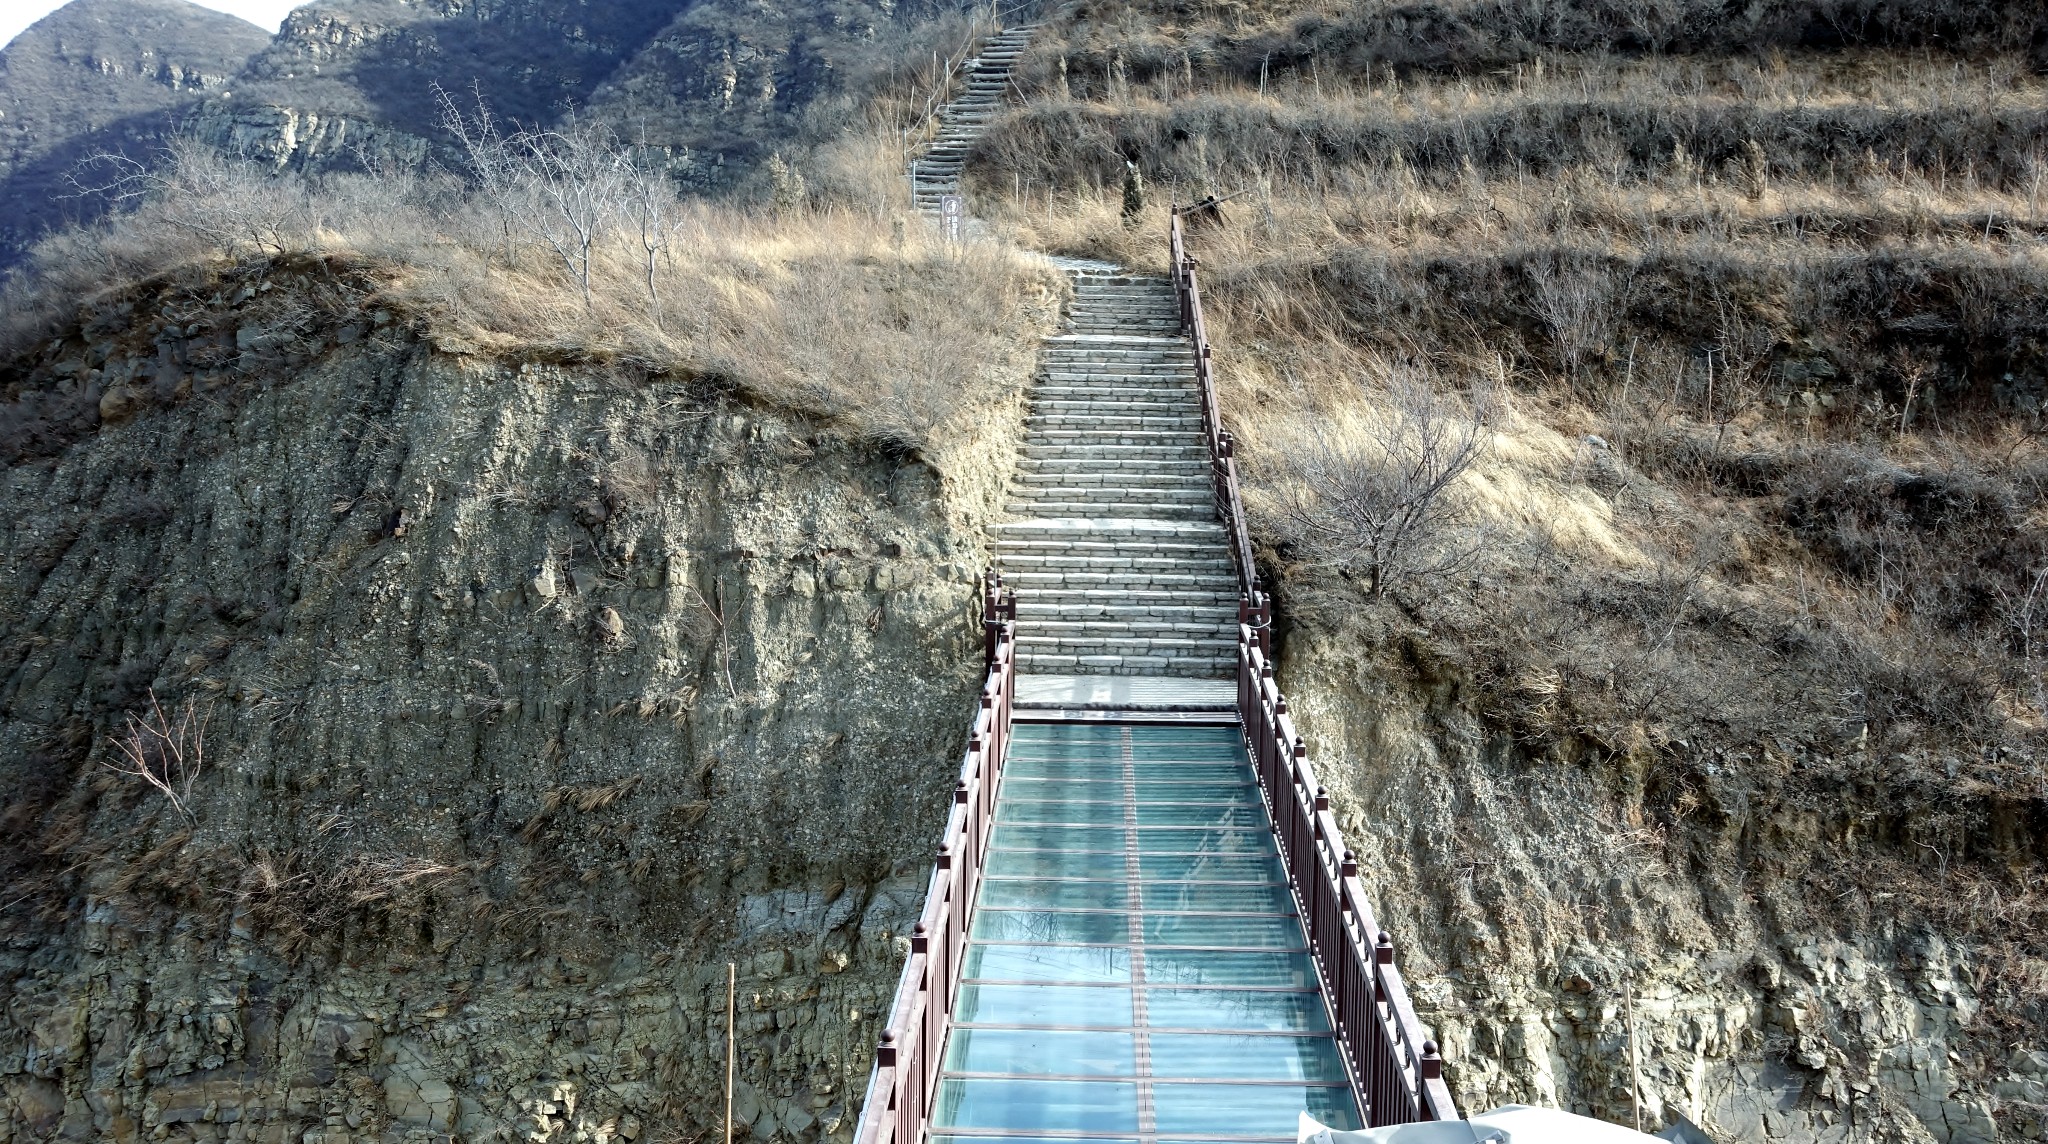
x: 1432, y: 1061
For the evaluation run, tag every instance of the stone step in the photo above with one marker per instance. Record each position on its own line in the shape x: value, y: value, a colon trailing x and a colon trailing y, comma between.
x: 1112, y: 436
x: 1080, y: 644
x: 1086, y: 470
x: 1129, y: 486
x: 1131, y: 598
x: 1066, y: 452
x: 1111, y: 510
x: 1213, y: 620
x: 1208, y: 552
x: 1025, y: 581
x: 1086, y: 397
x: 1179, y: 667
x: 1177, y: 391
x: 1053, y: 421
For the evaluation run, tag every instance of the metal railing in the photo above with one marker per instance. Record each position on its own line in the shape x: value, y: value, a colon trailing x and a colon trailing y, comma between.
x: 1397, y: 1071
x: 905, y: 1077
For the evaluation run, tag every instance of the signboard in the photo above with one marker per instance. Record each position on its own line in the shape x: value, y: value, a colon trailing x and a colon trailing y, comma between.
x: 952, y: 208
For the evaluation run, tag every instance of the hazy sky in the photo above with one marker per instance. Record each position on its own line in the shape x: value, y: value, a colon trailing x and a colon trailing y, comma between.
x: 18, y: 14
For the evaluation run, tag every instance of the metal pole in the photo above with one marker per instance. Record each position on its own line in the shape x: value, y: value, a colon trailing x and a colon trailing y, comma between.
x: 731, y: 989
x: 1635, y: 1076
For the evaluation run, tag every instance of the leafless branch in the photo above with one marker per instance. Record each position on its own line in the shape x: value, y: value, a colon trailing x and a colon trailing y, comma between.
x: 166, y: 751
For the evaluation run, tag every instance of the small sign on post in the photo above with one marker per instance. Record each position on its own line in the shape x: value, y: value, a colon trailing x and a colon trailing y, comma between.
x: 951, y: 209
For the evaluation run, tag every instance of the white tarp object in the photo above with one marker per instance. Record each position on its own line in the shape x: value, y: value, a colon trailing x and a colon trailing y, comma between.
x: 1508, y: 1124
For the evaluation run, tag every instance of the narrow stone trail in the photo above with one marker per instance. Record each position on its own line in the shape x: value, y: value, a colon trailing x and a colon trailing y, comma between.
x: 936, y: 173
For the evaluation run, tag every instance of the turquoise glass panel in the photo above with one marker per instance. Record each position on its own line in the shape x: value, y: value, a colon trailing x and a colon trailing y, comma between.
x: 1108, y: 786
x: 1053, y: 864
x: 1212, y: 867
x: 1022, y: 837
x: 1044, y: 1052
x: 1250, y: 1010
x: 1076, y: 811
x: 998, y: 893
x: 1229, y: 967
x: 1194, y: 790
x: 1264, y: 1109
x: 1220, y: 1056
x: 1037, y: 1105
x: 1063, y: 771
x: 1144, y: 752
x: 1075, y: 1005
x: 1050, y: 963
x: 1198, y: 814
x: 1220, y: 897
x: 1049, y: 927
x: 1223, y: 931
x: 1193, y: 772
x: 1178, y: 840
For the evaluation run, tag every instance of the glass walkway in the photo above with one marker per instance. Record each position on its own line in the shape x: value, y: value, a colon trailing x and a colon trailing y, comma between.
x: 1136, y: 968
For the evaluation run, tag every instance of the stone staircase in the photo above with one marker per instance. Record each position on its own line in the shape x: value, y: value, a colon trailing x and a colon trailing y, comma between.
x: 1119, y: 561
x: 936, y: 173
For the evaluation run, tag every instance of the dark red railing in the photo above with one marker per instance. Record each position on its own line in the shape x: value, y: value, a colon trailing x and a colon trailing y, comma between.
x: 1398, y: 1073
x: 905, y: 1077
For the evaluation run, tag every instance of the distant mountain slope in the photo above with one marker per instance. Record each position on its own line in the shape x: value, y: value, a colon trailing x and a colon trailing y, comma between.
x: 361, y: 73
x: 101, y: 75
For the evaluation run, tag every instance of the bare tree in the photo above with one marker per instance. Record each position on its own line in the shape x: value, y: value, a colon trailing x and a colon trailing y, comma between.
x: 652, y: 203
x: 223, y: 200
x: 167, y: 752
x: 574, y: 183
x: 491, y: 165
x: 1375, y: 501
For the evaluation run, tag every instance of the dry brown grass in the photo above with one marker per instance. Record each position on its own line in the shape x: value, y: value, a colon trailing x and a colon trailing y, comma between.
x: 827, y: 309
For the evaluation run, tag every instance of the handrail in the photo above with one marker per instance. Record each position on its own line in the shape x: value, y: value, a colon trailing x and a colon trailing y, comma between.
x: 1397, y: 1071
x: 904, y: 1080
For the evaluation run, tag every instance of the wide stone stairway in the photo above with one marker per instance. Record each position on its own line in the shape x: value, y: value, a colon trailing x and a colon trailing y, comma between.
x: 1119, y: 561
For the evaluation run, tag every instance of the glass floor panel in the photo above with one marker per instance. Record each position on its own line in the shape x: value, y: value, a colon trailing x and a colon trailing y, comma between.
x: 1052, y: 864
x: 1217, y: 896
x: 1169, y: 840
x: 1066, y: 810
x: 1080, y: 983
x: 1250, y: 1108
x: 1050, y: 927
x: 1211, y: 867
x: 1106, y: 838
x: 1249, y: 1010
x: 1230, y: 967
x: 1037, y: 1105
x: 1209, y: 1056
x: 1200, y: 814
x: 1050, y: 963
x: 1077, y: 1006
x: 1070, y: 1052
x: 1224, y: 931
x: 1014, y: 892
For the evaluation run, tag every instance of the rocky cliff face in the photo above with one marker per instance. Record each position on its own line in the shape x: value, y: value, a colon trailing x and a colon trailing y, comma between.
x: 1545, y: 900
x: 501, y: 707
